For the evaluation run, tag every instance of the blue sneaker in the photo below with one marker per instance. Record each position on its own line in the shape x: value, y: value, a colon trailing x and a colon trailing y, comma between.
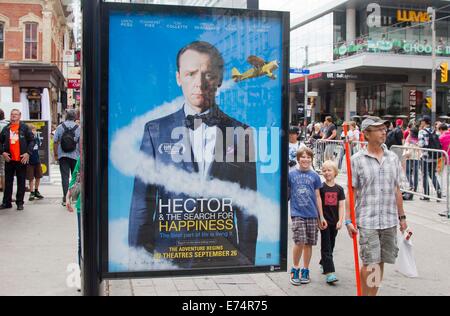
x: 331, y: 278
x: 295, y: 277
x: 305, y: 277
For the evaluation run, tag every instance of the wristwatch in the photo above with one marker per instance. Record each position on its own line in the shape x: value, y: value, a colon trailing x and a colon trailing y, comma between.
x: 348, y: 222
x: 402, y: 218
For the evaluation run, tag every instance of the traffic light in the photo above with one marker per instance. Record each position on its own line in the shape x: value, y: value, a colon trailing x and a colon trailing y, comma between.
x: 312, y: 102
x: 444, y: 72
x: 429, y: 103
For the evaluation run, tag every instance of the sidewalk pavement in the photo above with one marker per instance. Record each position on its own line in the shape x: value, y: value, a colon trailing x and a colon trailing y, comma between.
x: 431, y: 241
x: 38, y: 244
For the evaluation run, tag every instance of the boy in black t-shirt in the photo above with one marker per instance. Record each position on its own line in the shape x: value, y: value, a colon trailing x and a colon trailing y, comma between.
x: 333, y: 204
x: 34, y: 168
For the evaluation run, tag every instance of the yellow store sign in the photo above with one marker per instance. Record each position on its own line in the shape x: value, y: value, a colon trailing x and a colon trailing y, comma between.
x: 412, y: 16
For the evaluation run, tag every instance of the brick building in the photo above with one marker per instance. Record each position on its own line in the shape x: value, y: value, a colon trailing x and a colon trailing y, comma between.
x: 34, y: 36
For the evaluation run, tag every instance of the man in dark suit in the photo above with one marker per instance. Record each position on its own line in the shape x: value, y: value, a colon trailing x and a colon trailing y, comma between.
x: 195, y: 231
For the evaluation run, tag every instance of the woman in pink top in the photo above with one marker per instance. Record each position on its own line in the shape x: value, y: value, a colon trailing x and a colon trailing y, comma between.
x: 445, y: 138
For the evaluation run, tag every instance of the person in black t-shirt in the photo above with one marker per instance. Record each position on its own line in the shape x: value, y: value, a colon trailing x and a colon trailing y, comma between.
x: 329, y: 134
x: 333, y: 204
x: 34, y: 168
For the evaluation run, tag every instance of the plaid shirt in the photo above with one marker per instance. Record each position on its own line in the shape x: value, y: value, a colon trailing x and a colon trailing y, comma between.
x: 375, y: 189
x: 424, y: 141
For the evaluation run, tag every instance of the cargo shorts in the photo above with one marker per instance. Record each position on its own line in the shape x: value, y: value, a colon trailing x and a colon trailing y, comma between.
x: 378, y: 246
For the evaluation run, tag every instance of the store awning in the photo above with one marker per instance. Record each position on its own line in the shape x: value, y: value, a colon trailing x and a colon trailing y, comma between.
x: 36, y: 75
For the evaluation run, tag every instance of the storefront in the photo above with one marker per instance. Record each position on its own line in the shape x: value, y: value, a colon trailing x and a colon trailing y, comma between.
x: 398, y: 27
x: 39, y: 88
x: 379, y: 62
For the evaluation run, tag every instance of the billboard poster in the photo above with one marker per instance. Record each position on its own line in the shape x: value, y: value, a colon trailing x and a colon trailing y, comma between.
x: 43, y: 132
x: 196, y: 100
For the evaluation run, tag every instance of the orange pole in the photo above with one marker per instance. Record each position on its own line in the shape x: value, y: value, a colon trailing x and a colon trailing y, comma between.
x: 352, y: 210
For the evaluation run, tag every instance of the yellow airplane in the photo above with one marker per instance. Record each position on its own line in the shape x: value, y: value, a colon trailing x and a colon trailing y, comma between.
x: 260, y: 68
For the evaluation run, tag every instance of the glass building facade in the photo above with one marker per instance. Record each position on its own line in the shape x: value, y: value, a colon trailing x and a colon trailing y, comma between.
x: 397, y: 29
x: 205, y: 3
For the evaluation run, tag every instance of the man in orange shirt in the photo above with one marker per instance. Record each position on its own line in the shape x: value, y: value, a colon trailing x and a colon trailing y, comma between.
x: 17, y: 142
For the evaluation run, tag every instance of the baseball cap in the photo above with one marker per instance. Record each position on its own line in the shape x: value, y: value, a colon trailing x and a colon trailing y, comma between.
x: 426, y: 119
x: 372, y: 121
x: 294, y: 130
x: 399, y: 122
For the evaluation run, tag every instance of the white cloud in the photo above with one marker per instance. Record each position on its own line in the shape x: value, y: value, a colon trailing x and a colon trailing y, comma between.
x: 132, y: 259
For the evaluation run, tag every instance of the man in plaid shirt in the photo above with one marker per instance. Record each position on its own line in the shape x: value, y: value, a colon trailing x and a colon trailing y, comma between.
x: 379, y: 204
x: 429, y: 162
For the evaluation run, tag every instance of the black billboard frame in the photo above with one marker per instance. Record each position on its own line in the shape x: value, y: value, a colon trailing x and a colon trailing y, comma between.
x: 103, y: 154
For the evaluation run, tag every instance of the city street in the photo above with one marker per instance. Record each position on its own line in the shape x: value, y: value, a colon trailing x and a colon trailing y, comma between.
x: 186, y: 116
x: 39, y: 244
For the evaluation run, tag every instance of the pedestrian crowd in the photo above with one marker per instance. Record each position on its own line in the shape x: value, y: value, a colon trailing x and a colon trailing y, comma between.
x: 390, y: 151
x: 20, y: 146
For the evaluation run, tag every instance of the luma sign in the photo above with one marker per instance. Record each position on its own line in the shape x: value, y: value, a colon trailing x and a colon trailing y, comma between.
x: 412, y: 16
x: 376, y: 19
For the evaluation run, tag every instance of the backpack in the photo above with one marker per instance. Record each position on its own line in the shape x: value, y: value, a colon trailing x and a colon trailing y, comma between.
x: 390, y: 139
x: 433, y: 143
x: 68, y: 143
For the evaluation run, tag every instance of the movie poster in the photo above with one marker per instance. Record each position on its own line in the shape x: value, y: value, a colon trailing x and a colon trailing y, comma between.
x: 194, y: 122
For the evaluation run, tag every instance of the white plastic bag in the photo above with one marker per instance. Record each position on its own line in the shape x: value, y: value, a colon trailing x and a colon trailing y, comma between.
x: 406, y: 264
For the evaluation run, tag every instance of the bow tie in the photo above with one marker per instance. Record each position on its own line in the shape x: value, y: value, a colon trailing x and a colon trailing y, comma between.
x: 209, y: 119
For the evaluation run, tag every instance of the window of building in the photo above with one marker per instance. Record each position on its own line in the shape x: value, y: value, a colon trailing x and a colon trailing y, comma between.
x: 2, y: 40
x: 31, y: 40
x: 372, y: 100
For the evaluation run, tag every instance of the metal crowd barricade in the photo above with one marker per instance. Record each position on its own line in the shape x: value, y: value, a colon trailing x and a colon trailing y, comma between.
x: 327, y: 150
x: 334, y: 150
x: 426, y: 173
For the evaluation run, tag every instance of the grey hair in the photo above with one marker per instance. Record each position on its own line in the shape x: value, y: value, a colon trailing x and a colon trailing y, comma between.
x: 71, y: 115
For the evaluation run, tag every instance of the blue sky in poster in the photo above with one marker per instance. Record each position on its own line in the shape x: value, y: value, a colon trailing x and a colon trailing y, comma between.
x: 143, y: 50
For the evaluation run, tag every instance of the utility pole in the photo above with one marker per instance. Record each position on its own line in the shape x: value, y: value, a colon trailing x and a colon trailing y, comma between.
x: 305, y: 107
x: 432, y: 12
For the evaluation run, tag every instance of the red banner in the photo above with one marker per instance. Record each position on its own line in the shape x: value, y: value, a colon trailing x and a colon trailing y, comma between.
x: 73, y: 83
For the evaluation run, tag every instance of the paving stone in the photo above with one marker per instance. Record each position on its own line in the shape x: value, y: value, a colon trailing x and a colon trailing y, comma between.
x: 145, y: 291
x: 206, y: 284
x: 190, y: 293
x: 212, y: 293
x: 185, y: 285
x: 143, y: 283
x: 231, y: 290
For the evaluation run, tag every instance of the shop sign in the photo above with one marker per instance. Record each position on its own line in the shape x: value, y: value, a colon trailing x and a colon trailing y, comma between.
x: 412, y: 16
x: 394, y: 46
x: 340, y: 76
x: 73, y: 83
x: 69, y: 56
x: 74, y: 73
x: 343, y: 50
x: 376, y: 19
x: 412, y: 103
